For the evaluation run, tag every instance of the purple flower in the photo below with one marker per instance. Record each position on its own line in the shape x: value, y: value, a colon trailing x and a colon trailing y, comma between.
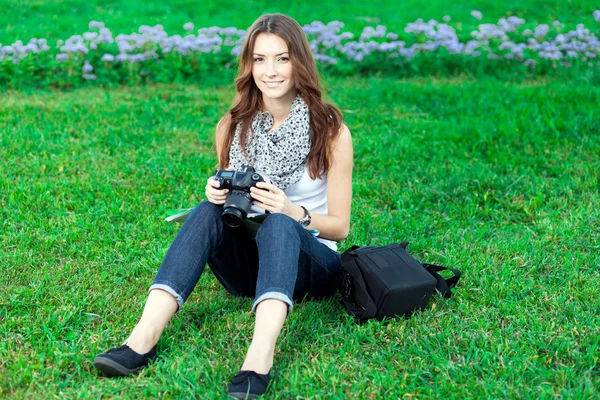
x: 236, y: 51
x: 386, y: 47
x: 145, y: 29
x: 31, y: 48
x: 327, y: 38
x: 229, y: 31
x: 90, y: 35
x: 380, y: 31
x: 407, y: 52
x: 541, y: 30
x: 335, y: 25
x: 105, y: 36
x: 325, y: 59
x: 516, y: 20
x: 96, y: 24
x: 87, y: 68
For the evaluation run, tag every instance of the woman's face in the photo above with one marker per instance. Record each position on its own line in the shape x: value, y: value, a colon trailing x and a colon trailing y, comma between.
x: 272, y: 68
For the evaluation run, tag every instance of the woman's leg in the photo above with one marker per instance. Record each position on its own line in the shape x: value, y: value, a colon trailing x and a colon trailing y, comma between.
x: 200, y: 235
x: 160, y: 307
x: 292, y: 265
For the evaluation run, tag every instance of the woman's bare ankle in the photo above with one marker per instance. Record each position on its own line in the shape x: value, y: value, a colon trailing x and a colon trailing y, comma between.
x: 141, y: 343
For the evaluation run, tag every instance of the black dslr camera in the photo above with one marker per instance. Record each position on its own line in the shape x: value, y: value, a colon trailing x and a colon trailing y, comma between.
x: 238, y: 201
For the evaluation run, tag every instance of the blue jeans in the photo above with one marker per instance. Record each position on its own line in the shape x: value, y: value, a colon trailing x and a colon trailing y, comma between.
x: 283, y: 261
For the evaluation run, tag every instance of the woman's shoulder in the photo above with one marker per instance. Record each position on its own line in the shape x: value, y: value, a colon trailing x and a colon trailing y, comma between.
x: 344, y: 138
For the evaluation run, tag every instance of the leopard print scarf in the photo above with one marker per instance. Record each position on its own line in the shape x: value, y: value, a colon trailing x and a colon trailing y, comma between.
x: 281, y: 154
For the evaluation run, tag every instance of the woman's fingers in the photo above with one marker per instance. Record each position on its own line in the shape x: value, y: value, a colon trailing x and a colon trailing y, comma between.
x: 216, y: 192
x: 264, y: 193
x: 267, y: 200
x: 213, y: 185
x: 261, y: 195
x: 274, y: 208
x: 269, y: 186
x: 213, y: 194
x: 217, y: 200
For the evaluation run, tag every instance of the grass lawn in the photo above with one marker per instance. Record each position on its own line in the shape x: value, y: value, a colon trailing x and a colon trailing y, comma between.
x: 499, y: 179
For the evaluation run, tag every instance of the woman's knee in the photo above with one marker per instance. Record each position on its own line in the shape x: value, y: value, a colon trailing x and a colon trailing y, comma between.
x: 278, y: 226
x: 206, y: 210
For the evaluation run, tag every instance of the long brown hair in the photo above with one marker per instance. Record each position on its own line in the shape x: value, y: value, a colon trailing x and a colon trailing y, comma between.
x: 325, y: 119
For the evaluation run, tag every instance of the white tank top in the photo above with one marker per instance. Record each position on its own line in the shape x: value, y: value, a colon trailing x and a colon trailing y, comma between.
x: 311, y: 194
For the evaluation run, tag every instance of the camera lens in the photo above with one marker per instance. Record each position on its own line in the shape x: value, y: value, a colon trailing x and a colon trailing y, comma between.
x: 255, y: 177
x: 232, y: 217
x: 236, y: 208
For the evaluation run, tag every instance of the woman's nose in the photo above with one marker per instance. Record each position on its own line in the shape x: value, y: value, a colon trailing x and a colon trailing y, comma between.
x: 270, y: 70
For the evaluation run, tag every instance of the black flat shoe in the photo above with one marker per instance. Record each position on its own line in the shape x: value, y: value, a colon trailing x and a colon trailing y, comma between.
x: 248, y: 384
x: 122, y: 361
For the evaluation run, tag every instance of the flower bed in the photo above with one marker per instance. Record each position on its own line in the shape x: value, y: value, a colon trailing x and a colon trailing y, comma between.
x: 152, y: 55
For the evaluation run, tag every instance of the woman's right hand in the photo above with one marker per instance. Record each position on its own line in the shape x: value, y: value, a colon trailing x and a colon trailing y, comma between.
x: 214, y: 194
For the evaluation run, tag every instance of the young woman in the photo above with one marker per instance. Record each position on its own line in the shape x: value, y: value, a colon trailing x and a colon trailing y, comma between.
x: 280, y: 126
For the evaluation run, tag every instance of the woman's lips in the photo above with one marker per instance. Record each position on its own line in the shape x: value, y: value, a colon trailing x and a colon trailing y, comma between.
x: 272, y: 84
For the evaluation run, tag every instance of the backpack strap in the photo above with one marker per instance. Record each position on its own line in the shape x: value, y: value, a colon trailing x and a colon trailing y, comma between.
x: 443, y: 285
x: 353, y: 286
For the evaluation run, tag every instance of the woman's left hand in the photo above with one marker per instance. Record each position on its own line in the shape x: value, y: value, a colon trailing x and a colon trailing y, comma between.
x: 270, y: 197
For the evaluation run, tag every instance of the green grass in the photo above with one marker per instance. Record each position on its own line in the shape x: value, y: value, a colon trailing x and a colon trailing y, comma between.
x: 60, y: 19
x: 499, y: 180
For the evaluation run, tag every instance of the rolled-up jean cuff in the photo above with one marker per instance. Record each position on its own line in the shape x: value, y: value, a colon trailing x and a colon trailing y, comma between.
x: 273, y: 295
x: 169, y: 290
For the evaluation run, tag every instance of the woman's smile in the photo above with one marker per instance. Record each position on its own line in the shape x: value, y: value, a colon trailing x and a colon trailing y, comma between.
x: 272, y: 84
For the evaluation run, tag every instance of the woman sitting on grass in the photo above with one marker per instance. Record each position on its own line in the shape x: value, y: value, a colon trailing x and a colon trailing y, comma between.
x: 280, y: 126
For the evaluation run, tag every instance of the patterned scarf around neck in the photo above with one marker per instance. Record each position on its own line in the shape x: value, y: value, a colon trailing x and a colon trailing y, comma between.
x: 281, y: 154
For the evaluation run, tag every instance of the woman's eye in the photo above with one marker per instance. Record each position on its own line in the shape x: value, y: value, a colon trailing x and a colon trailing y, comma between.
x: 258, y: 59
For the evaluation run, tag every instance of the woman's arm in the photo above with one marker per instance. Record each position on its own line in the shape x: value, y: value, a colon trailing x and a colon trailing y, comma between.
x: 336, y: 225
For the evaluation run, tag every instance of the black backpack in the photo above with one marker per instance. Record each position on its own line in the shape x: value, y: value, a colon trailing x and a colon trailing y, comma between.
x: 386, y: 281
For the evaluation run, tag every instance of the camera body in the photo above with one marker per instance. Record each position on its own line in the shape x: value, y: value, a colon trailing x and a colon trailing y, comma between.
x: 238, y: 201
